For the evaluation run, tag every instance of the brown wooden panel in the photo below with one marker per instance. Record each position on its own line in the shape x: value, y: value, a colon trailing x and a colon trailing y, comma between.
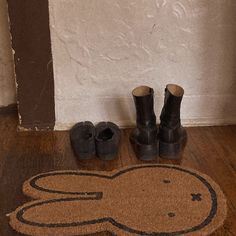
x: 29, y: 22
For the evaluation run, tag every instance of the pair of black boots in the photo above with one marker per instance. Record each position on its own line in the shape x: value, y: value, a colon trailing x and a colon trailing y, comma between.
x: 167, y: 142
x: 102, y: 140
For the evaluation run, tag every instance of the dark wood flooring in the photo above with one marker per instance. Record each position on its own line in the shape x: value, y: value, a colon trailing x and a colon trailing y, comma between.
x: 211, y: 150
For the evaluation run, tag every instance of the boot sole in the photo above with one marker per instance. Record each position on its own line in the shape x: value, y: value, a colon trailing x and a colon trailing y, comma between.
x: 145, y: 152
x: 108, y: 157
x: 172, y: 151
x: 85, y: 156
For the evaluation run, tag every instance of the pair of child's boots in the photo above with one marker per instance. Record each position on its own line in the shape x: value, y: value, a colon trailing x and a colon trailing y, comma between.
x: 101, y: 140
x: 169, y: 140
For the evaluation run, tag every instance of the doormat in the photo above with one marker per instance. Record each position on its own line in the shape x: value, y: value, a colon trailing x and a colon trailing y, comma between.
x: 161, y: 200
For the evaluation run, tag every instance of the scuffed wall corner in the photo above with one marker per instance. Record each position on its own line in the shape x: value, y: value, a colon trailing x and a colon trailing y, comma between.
x: 31, y: 43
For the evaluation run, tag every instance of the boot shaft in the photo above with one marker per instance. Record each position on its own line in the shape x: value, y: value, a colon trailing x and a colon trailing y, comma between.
x: 170, y: 114
x: 143, y: 99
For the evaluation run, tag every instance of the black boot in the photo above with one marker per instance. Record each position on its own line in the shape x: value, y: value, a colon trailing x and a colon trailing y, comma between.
x: 172, y: 135
x: 144, y: 137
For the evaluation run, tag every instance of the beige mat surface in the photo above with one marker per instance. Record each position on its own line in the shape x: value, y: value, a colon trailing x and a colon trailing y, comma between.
x: 162, y: 200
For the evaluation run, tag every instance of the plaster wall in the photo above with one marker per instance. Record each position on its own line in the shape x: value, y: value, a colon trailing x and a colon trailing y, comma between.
x: 102, y: 49
x: 7, y: 81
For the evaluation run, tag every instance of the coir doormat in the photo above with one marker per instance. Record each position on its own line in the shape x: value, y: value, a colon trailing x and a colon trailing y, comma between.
x: 162, y: 200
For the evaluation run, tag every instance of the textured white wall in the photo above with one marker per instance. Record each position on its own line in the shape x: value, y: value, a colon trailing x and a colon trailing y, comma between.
x: 102, y: 49
x: 7, y: 82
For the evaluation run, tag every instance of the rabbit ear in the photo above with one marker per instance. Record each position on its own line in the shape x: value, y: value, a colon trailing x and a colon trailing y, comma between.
x: 62, y: 184
x: 60, y: 217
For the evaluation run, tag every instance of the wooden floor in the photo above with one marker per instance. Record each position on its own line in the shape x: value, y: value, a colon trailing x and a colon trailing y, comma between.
x: 211, y: 150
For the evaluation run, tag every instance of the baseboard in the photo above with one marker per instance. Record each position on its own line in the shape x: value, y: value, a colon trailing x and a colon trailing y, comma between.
x: 204, y: 110
x: 10, y: 109
x: 185, y: 122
